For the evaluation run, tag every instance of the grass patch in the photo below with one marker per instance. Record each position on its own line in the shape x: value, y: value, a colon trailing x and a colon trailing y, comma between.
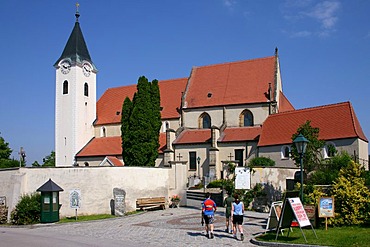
x: 350, y: 236
x: 86, y: 218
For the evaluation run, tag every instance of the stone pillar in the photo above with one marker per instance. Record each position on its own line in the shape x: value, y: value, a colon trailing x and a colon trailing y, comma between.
x: 168, y: 153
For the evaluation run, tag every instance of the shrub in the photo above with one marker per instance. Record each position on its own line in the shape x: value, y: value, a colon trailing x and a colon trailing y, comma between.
x: 261, y: 161
x: 352, y: 197
x: 226, y: 184
x: 27, y: 210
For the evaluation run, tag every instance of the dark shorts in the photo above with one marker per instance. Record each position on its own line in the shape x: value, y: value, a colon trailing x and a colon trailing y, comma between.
x: 228, y: 212
x: 238, y: 219
x: 208, y: 219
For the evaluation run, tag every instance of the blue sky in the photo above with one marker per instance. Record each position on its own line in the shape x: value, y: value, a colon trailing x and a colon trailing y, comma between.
x: 324, y: 49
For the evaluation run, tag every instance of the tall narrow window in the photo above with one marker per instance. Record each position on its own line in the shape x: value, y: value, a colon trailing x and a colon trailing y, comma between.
x: 103, y: 132
x: 246, y: 119
x: 239, y: 156
x: 204, y: 121
x: 329, y: 150
x: 193, y: 161
x: 86, y: 89
x: 65, y: 87
x: 285, y: 151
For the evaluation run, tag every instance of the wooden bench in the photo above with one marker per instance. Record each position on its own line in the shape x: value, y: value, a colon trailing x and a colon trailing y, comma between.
x: 152, y: 202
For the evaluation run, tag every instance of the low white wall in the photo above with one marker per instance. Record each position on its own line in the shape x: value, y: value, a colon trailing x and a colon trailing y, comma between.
x: 273, y: 176
x: 95, y: 183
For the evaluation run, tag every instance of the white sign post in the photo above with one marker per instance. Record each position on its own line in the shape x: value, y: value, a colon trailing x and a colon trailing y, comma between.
x: 242, y: 178
x: 75, y: 200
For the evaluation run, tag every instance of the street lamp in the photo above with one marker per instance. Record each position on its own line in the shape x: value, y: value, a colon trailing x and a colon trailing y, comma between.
x: 198, y: 159
x: 301, y: 143
x: 22, y: 156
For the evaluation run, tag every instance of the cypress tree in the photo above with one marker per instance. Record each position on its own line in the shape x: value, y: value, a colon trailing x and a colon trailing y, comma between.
x: 125, y: 120
x: 141, y: 123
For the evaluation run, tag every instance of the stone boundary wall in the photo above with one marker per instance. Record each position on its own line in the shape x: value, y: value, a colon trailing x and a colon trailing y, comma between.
x: 96, y: 185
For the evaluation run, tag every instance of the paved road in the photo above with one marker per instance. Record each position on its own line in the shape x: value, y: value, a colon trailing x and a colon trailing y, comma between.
x: 170, y: 227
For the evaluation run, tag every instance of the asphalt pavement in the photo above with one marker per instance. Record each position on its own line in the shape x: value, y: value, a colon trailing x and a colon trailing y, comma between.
x: 170, y: 227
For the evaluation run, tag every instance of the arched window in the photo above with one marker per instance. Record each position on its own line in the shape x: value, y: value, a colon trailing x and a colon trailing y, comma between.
x: 65, y: 87
x: 86, y: 163
x: 204, y: 121
x: 329, y: 150
x: 285, y: 152
x: 103, y: 132
x: 86, y: 89
x: 246, y: 119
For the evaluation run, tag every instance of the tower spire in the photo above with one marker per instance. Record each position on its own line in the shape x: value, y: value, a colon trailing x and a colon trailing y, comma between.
x: 77, y: 13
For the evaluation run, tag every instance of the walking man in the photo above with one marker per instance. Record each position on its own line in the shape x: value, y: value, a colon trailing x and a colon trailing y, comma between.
x: 228, y: 203
x: 237, y: 214
x: 209, y: 208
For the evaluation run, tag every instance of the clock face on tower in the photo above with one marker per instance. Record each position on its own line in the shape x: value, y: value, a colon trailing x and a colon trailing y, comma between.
x: 86, y: 69
x: 65, y: 67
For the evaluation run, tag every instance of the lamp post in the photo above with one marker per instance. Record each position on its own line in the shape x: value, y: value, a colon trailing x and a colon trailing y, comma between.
x: 198, y: 159
x: 301, y: 143
x: 22, y: 156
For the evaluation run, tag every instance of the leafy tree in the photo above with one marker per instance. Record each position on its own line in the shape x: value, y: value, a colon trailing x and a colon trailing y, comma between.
x: 352, y: 197
x: 312, y: 157
x: 125, y: 130
x: 140, y: 125
x: 36, y: 164
x: 49, y: 161
x: 27, y: 210
x: 5, y: 152
x: 328, y: 171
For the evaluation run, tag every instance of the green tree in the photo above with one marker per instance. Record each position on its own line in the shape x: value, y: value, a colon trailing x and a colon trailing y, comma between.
x: 35, y: 164
x: 328, y: 171
x: 352, y: 197
x: 49, y: 161
x: 140, y: 125
x: 312, y: 157
x: 5, y: 152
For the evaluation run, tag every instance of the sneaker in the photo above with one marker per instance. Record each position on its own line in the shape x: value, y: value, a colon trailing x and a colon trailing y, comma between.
x: 235, y: 236
x: 242, y: 236
x: 212, y: 235
x: 231, y: 231
x: 226, y: 230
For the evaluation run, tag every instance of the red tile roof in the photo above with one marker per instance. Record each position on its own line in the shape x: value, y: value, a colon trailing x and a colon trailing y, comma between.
x: 111, y: 146
x: 284, y: 104
x: 113, y: 160
x: 336, y: 121
x: 231, y: 83
x: 103, y: 146
x: 109, y: 105
x: 240, y: 134
x: 191, y: 136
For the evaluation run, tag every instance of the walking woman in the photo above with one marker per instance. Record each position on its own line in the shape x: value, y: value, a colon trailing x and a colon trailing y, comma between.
x: 237, y: 213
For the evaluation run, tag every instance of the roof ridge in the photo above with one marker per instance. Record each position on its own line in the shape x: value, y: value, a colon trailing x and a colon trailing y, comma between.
x: 159, y: 81
x: 234, y: 62
x: 313, y: 108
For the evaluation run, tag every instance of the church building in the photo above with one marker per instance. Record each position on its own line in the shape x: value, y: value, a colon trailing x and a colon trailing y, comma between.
x: 233, y: 111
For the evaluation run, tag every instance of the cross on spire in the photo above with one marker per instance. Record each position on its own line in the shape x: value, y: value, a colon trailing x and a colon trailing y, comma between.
x: 77, y: 13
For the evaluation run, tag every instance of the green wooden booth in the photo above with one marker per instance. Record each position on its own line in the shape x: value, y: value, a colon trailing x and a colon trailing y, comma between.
x: 49, y: 202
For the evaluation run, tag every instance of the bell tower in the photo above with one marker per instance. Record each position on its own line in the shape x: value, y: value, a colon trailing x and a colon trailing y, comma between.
x: 75, y: 98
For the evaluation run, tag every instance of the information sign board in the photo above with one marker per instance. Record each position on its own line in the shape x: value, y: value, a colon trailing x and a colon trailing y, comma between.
x: 75, y: 198
x: 326, y: 207
x: 299, y: 212
x: 242, y: 178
